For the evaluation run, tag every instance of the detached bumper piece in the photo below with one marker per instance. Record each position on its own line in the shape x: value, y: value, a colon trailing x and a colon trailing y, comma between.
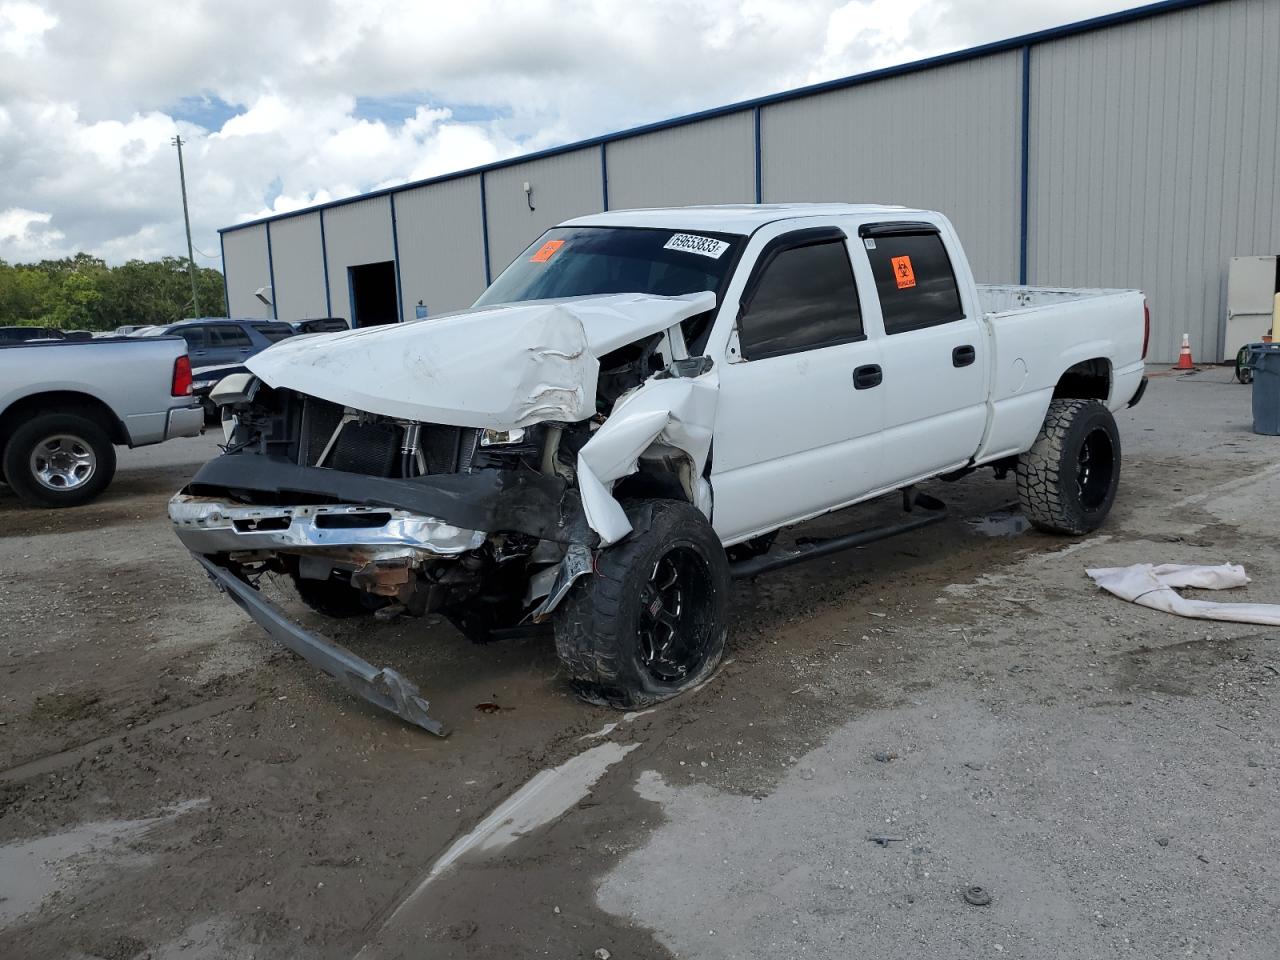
x: 382, y: 687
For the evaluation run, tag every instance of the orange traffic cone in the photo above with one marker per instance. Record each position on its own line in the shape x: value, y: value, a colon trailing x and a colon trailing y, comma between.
x: 1184, y: 355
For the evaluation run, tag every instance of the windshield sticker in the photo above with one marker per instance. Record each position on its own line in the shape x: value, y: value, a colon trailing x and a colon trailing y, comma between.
x: 546, y: 251
x: 692, y: 243
x: 902, y: 272
x: 869, y: 243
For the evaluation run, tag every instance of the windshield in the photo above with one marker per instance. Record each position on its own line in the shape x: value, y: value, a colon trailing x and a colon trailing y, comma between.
x: 590, y: 261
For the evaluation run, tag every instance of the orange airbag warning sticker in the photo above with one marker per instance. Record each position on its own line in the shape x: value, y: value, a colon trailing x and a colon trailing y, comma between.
x: 546, y: 251
x: 902, y: 272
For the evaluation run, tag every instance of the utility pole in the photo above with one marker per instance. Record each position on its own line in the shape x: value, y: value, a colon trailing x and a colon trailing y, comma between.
x: 186, y: 216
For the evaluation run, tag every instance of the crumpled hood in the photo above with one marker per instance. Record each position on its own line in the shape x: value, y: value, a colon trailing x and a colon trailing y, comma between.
x: 495, y: 367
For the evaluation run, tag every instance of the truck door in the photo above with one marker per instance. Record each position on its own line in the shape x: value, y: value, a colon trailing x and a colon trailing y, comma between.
x: 933, y: 353
x: 800, y: 407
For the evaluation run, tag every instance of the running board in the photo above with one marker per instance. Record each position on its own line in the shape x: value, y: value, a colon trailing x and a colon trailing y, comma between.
x: 809, y: 548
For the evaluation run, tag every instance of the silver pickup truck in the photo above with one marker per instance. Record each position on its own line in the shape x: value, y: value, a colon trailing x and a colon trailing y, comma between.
x: 65, y: 403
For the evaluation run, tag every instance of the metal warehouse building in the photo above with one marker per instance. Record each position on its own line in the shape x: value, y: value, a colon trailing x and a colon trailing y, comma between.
x: 1140, y: 149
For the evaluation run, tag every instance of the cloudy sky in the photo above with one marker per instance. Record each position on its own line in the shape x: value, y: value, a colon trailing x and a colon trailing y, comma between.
x: 293, y: 102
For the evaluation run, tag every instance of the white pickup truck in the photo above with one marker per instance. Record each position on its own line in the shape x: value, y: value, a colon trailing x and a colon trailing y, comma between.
x: 630, y: 413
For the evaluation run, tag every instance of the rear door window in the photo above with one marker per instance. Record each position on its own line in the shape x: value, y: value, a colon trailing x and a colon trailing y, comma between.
x: 275, y: 332
x: 194, y: 337
x: 229, y: 336
x: 914, y: 279
x: 804, y: 299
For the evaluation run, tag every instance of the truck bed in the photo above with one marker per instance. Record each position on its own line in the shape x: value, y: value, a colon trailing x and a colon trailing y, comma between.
x: 1008, y: 298
x: 1036, y: 332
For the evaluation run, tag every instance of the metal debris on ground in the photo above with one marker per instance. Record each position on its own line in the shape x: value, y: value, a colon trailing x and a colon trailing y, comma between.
x: 977, y: 896
x: 883, y: 756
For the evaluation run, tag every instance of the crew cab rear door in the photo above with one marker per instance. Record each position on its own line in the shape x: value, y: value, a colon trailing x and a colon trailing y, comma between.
x: 934, y: 352
x: 800, y: 407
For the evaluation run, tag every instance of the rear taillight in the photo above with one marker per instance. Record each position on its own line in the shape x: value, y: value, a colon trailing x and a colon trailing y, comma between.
x: 1146, y: 327
x: 182, y: 377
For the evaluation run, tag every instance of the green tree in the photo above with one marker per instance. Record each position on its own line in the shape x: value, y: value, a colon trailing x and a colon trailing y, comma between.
x: 82, y: 292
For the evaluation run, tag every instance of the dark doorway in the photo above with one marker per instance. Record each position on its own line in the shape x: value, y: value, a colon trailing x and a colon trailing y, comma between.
x: 373, y: 294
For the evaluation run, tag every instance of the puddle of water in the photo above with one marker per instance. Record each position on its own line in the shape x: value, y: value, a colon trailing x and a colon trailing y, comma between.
x: 1000, y: 524
x: 32, y: 870
x: 546, y: 796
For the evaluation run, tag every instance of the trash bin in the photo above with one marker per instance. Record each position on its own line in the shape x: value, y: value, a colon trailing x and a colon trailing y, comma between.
x: 1265, y: 361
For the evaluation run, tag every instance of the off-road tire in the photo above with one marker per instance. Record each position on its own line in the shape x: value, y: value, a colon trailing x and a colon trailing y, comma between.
x: 597, y: 626
x: 23, y: 442
x: 1050, y: 487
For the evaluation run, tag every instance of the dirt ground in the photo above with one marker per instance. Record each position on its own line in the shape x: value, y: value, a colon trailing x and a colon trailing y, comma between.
x: 174, y: 786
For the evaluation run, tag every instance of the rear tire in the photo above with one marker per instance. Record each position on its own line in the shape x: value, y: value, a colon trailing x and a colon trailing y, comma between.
x: 1067, y: 481
x: 59, y: 460
x: 650, y: 622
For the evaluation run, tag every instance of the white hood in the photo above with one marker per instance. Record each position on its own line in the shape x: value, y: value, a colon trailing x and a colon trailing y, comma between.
x: 491, y: 367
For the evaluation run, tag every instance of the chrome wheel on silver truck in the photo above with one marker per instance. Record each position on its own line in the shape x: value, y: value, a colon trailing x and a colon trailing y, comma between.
x: 59, y: 460
x: 1067, y: 481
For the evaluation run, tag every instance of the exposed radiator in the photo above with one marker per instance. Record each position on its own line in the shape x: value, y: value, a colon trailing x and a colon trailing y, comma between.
x: 373, y: 449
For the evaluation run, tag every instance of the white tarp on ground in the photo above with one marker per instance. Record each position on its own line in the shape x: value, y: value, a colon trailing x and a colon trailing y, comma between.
x: 1154, y: 586
x: 493, y: 367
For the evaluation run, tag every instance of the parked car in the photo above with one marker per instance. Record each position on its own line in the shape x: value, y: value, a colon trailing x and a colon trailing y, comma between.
x: 629, y: 415
x: 27, y: 334
x: 64, y: 403
x: 218, y: 347
x: 217, y: 341
x: 320, y: 325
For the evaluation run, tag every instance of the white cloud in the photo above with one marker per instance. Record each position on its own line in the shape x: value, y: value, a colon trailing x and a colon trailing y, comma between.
x: 22, y: 28
x: 88, y: 92
x: 28, y: 231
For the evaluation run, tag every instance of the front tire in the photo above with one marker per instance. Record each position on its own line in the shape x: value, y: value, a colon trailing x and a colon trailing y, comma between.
x: 650, y: 622
x: 59, y: 460
x: 1067, y: 481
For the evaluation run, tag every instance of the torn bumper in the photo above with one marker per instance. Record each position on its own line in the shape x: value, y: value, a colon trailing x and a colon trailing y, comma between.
x: 208, y: 525
x: 492, y: 500
x: 382, y: 687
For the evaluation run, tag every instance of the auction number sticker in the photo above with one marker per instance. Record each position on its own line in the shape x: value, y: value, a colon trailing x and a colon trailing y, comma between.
x: 692, y: 243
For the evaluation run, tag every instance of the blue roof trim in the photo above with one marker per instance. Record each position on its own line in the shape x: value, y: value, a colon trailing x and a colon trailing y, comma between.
x: 841, y: 83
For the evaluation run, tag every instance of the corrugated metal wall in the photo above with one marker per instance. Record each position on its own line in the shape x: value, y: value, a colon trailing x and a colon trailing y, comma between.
x: 947, y: 139
x: 1153, y: 157
x: 441, y: 246
x: 564, y: 186
x: 1154, y: 160
x: 298, y: 265
x: 712, y: 161
x: 355, y: 233
x: 245, y: 264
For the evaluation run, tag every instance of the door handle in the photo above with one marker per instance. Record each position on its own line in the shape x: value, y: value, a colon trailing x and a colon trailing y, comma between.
x: 864, y: 378
x: 963, y: 356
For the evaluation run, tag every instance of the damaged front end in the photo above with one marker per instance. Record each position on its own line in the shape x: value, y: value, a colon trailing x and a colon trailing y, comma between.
x: 478, y: 488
